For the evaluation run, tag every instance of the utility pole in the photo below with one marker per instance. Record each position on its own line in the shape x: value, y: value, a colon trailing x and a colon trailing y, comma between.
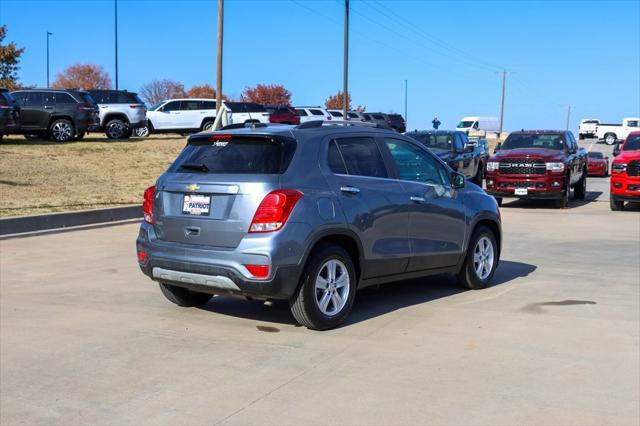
x: 568, y: 115
x: 48, y: 34
x: 406, y: 116
x: 345, y: 93
x: 116, y: 36
x: 504, y: 84
x: 219, y: 59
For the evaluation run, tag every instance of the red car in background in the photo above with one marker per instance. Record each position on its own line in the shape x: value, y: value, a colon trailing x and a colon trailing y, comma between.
x: 283, y: 114
x: 625, y: 173
x: 597, y: 164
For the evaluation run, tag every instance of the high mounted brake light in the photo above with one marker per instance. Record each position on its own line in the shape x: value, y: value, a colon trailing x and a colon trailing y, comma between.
x: 274, y: 210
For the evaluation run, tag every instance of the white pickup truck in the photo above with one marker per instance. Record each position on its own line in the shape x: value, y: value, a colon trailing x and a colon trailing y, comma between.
x: 587, y: 128
x: 610, y: 133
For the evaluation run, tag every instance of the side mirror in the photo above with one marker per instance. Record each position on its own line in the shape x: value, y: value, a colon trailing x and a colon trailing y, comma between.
x: 616, y: 149
x: 457, y: 180
x: 497, y: 148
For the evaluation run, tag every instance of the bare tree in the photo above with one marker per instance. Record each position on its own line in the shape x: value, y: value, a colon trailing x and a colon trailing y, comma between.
x: 159, y: 90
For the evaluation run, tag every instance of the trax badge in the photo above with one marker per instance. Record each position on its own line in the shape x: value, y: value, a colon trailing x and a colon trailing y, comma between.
x: 192, y: 187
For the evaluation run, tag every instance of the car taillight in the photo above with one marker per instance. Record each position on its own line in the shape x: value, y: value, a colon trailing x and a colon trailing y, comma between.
x: 147, y: 204
x: 136, y: 106
x: 274, y: 210
x: 85, y: 107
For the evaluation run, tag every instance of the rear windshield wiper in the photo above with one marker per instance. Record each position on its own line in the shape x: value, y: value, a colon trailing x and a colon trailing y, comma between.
x: 201, y: 167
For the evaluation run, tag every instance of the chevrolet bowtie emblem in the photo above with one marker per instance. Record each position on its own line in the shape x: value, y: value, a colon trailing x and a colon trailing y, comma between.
x: 192, y: 187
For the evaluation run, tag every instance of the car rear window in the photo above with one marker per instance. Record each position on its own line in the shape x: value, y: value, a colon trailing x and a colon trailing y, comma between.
x: 87, y: 98
x: 440, y: 141
x: 226, y: 154
x: 595, y: 155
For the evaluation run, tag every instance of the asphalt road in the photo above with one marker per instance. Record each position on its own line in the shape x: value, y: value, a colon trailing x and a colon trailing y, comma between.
x: 85, y: 338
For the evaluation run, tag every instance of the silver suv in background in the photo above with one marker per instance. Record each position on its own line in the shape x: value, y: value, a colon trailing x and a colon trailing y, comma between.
x: 310, y: 214
x: 121, y: 112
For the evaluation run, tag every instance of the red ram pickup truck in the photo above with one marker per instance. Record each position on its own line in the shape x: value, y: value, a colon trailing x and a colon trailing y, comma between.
x: 625, y: 173
x: 538, y: 164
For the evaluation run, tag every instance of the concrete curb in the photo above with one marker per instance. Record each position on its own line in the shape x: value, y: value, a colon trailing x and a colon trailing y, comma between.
x: 22, y: 224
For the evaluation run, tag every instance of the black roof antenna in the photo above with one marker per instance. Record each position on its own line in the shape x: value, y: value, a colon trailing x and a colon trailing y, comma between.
x: 244, y: 104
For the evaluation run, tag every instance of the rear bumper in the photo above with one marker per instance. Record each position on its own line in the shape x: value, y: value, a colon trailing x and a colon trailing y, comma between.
x: 218, y: 271
x: 538, y: 187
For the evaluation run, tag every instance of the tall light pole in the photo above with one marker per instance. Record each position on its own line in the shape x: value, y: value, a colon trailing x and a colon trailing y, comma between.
x: 345, y: 93
x: 116, y: 35
x: 406, y: 116
x: 568, y: 115
x: 219, y: 59
x: 48, y: 34
x: 504, y: 85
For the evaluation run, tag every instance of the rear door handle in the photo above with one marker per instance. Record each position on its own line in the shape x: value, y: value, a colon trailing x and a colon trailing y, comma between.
x: 350, y: 189
x: 417, y: 199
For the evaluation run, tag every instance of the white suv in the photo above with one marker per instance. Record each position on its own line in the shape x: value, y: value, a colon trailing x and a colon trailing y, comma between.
x: 312, y: 114
x: 194, y: 115
x: 180, y: 116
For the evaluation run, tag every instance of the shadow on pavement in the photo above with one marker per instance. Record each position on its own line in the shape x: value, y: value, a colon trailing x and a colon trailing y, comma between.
x: 371, y: 301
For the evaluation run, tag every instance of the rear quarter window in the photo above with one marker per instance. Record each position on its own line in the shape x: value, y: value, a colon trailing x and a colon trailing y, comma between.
x: 316, y: 112
x: 237, y: 155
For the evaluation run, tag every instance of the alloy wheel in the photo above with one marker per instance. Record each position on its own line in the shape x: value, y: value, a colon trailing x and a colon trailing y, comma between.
x: 483, y: 258
x: 62, y: 131
x: 142, y: 132
x: 332, y: 287
x: 116, y: 130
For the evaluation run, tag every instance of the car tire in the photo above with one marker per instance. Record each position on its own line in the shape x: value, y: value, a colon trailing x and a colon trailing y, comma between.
x: 142, y: 132
x: 499, y: 201
x: 580, y: 190
x: 481, y: 260
x: 116, y: 129
x: 615, y: 205
x: 610, y: 139
x: 563, y: 202
x: 62, y: 130
x: 477, y: 179
x: 184, y: 297
x: 319, y: 289
x: 207, y: 126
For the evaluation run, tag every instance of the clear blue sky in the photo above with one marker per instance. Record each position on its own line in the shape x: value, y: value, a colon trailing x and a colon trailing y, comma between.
x: 586, y: 54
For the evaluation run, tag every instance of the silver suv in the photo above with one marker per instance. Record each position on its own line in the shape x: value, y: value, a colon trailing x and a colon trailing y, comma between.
x: 310, y: 214
x: 121, y: 112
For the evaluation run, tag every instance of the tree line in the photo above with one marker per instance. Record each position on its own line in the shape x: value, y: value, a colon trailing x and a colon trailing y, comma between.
x: 92, y: 76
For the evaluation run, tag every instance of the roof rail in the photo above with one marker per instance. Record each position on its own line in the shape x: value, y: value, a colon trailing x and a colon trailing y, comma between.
x: 345, y: 123
x: 243, y: 125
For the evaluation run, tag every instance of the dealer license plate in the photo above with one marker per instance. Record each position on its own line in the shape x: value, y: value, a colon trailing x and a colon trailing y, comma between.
x: 196, y: 205
x: 521, y: 191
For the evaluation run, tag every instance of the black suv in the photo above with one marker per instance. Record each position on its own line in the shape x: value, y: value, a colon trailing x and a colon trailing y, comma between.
x: 397, y: 123
x: 62, y: 115
x: 9, y: 113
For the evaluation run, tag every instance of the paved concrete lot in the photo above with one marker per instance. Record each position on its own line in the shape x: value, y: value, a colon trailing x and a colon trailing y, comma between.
x: 85, y: 338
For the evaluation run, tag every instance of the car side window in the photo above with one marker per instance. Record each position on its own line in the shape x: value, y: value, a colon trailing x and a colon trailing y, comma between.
x: 335, y: 160
x: 361, y: 157
x: 64, y: 98
x: 34, y: 99
x: 48, y: 98
x: 171, y: 106
x: 207, y: 105
x: 315, y: 112
x: 414, y: 164
x: 301, y: 112
x: 189, y: 105
x: 20, y: 97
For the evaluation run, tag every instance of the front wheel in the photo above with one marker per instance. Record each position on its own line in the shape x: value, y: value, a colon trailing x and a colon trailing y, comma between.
x: 327, y: 289
x: 142, y: 132
x: 481, y: 260
x: 184, y: 297
x: 615, y: 204
x: 563, y: 202
x: 580, y: 190
x: 62, y: 130
x: 207, y: 126
x: 477, y: 179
